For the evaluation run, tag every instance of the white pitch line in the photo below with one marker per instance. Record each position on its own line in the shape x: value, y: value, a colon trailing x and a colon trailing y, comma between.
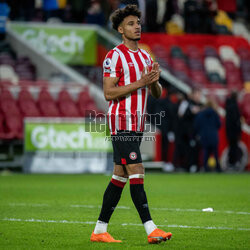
x: 124, y: 224
x: 29, y: 204
x: 127, y: 208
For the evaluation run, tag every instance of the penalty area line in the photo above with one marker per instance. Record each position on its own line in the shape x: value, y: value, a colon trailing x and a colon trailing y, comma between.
x: 124, y: 224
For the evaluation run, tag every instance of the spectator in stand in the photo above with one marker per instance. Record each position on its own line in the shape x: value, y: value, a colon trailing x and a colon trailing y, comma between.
x: 158, y: 12
x: 247, y: 6
x: 78, y: 10
x: 207, y: 124
x: 14, y: 6
x: 95, y: 14
x: 192, y: 16
x: 207, y: 15
x: 199, y: 16
x: 181, y: 138
x: 4, y: 13
x: 26, y: 10
x: 51, y: 9
x: 233, y: 129
x: 188, y: 146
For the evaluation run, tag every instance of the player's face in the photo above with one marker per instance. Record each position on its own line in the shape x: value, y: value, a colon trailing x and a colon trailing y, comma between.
x: 131, y: 28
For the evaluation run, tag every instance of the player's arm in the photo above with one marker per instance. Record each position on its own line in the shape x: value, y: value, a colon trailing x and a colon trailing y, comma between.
x: 112, y: 91
x: 155, y: 87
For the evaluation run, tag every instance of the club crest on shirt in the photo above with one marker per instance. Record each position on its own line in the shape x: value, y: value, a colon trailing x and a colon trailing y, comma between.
x: 148, y: 62
x: 107, y: 63
x: 133, y: 156
x: 130, y: 64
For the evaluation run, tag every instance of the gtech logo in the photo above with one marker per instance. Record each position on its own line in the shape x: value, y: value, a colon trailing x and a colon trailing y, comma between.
x: 69, y: 43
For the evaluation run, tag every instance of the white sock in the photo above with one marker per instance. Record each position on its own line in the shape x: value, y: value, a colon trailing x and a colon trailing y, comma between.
x: 149, y: 227
x: 100, y: 227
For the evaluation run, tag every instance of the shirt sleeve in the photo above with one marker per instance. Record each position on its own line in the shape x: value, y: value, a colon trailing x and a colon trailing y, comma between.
x: 112, y: 66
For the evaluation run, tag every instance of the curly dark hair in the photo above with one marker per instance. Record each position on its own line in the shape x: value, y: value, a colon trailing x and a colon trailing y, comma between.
x: 118, y: 16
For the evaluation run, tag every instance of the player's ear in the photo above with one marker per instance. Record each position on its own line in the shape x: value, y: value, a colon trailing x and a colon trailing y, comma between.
x: 120, y: 29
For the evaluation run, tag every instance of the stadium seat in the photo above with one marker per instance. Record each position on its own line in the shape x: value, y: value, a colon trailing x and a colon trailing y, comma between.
x: 246, y: 76
x: 5, y: 83
x: 66, y: 104
x: 243, y: 53
x: 246, y: 113
x: 44, y: 95
x: 48, y: 108
x: 86, y: 106
x: 229, y: 66
x: 9, y: 107
x: 7, y: 73
x: 233, y: 76
x: 210, y: 51
x: 29, y: 108
x: 213, y: 65
x: 3, y: 133
x: 193, y: 52
x: 84, y: 97
x: 245, y: 66
x: 24, y: 94
x: 176, y: 51
x: 228, y: 54
x: 64, y: 95
x: 68, y: 109
x: 6, y: 94
x: 14, y: 126
x: 195, y: 64
x: 47, y: 104
x: 214, y: 77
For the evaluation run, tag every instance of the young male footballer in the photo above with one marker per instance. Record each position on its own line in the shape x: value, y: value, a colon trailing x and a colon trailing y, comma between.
x: 129, y: 74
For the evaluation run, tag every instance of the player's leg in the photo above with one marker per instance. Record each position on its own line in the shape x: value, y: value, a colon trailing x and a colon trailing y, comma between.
x: 112, y: 194
x: 111, y: 198
x: 138, y: 195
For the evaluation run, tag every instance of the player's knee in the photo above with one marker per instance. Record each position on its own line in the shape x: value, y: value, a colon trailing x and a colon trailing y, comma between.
x: 136, y: 168
x: 120, y: 171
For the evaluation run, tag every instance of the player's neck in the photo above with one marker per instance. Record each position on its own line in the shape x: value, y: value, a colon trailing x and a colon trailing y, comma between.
x: 130, y: 44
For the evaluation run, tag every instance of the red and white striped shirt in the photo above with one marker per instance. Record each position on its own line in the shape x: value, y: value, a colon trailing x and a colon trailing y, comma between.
x: 127, y: 113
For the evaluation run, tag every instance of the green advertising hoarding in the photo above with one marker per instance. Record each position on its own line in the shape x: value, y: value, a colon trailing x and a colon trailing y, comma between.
x: 66, y: 137
x: 69, y: 44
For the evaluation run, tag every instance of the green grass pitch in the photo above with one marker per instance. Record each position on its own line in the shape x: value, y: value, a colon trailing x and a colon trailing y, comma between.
x: 58, y: 211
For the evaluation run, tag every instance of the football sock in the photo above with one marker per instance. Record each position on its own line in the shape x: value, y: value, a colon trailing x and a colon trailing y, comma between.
x: 111, y: 198
x: 149, y: 227
x: 100, y: 227
x: 139, y: 196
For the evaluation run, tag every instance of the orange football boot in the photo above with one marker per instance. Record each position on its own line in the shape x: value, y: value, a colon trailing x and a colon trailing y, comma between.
x: 158, y: 235
x: 103, y: 237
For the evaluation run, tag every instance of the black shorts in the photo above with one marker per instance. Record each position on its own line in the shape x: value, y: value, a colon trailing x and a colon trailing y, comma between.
x: 126, y: 145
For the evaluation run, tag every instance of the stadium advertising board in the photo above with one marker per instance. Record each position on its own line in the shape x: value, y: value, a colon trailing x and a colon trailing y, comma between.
x: 66, y: 146
x: 68, y: 44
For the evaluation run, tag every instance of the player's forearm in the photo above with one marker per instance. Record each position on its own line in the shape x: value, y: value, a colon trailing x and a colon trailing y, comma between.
x: 156, y: 89
x: 121, y: 91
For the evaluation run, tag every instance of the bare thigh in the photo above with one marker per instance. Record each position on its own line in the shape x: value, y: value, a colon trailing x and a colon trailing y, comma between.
x: 120, y: 170
x: 135, y: 169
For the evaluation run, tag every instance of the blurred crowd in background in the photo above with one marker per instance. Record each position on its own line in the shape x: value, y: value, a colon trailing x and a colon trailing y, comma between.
x: 194, y: 128
x: 171, y: 16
